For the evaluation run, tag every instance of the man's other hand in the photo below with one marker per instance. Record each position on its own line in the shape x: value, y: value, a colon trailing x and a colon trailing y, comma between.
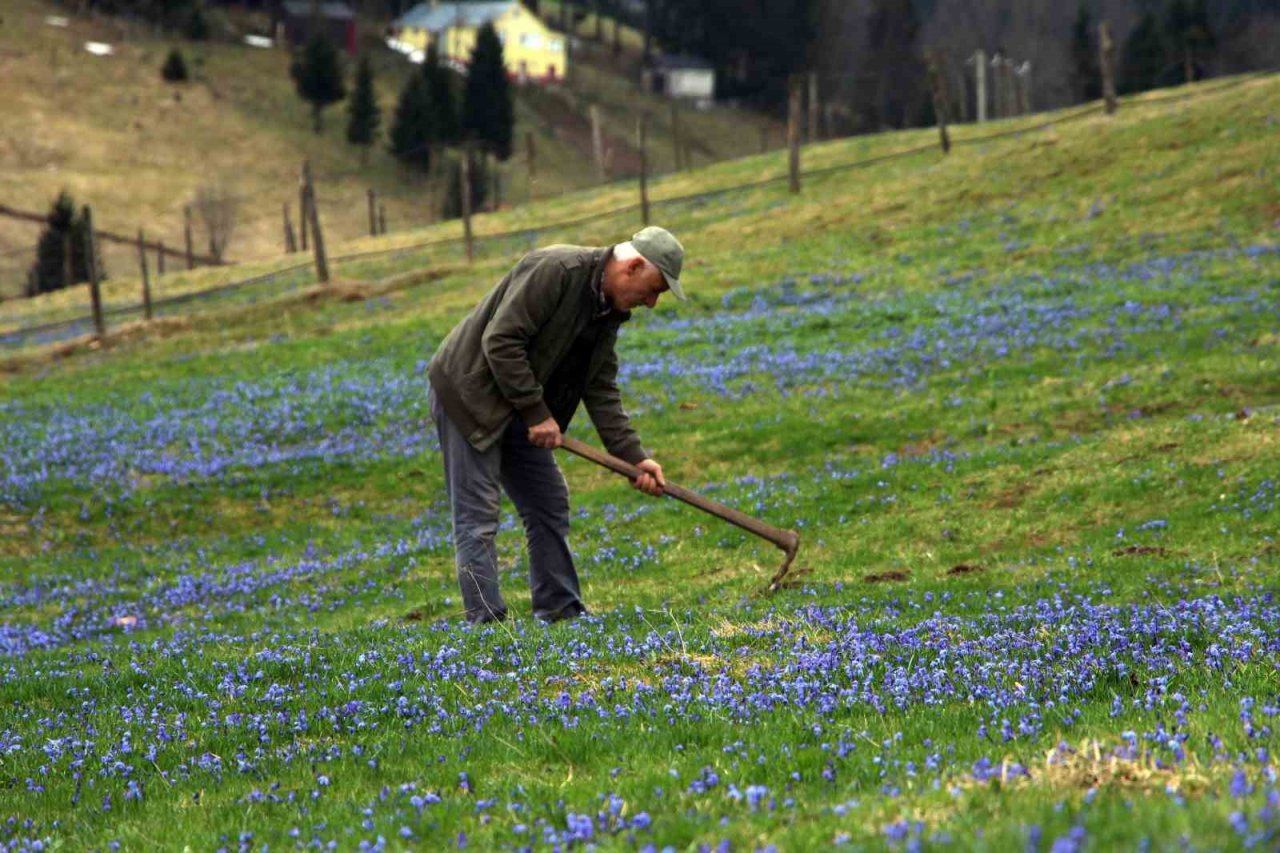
x: 545, y: 434
x: 650, y: 481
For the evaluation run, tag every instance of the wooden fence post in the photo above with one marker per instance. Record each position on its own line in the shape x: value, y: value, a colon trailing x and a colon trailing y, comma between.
x: 530, y: 163
x: 373, y: 212
x: 644, y: 169
x: 962, y: 92
x: 68, y: 271
x: 91, y: 261
x: 813, y: 106
x: 936, y: 84
x: 186, y: 229
x: 1107, y: 55
x: 464, y: 192
x: 160, y: 258
x: 677, y: 160
x: 317, y: 236
x: 1023, y: 73
x: 793, y: 134
x: 979, y: 60
x: 304, y: 215
x: 146, y: 278
x: 290, y: 244
x: 382, y: 218
x: 597, y: 142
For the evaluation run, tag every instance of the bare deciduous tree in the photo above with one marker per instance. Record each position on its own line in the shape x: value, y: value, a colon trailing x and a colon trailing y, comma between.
x: 217, y: 207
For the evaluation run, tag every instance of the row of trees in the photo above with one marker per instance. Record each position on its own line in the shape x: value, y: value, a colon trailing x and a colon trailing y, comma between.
x: 868, y: 52
x: 435, y: 110
x: 188, y: 17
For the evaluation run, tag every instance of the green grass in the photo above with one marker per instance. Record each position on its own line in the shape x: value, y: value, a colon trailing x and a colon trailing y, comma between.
x: 1020, y: 403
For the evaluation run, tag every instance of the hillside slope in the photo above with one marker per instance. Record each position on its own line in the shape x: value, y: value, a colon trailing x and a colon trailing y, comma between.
x: 1020, y: 402
x: 118, y: 137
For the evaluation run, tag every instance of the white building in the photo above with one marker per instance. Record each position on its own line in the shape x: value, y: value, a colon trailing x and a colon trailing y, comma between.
x: 684, y: 77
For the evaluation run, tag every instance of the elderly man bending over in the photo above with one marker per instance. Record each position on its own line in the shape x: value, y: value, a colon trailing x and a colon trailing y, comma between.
x: 506, y: 382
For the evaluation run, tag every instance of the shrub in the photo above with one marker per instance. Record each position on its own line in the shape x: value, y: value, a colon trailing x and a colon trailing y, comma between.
x: 175, y: 67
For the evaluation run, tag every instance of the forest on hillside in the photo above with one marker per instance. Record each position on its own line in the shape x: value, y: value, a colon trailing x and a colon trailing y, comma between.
x: 868, y: 55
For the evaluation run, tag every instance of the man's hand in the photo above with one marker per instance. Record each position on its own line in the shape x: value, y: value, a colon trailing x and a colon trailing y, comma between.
x: 545, y: 434
x: 650, y: 481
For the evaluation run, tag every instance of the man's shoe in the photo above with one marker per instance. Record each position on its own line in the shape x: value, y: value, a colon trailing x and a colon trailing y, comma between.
x: 487, y: 617
x: 570, y: 611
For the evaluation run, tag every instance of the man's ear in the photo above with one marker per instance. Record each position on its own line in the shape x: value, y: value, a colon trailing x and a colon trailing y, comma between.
x: 635, y: 265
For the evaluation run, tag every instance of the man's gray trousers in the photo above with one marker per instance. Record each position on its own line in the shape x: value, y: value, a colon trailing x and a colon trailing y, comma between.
x: 533, y: 481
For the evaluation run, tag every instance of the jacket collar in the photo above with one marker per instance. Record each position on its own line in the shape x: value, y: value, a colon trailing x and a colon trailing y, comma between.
x: 603, y: 310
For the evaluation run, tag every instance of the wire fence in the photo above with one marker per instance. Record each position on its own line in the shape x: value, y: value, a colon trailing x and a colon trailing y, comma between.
x: 57, y: 326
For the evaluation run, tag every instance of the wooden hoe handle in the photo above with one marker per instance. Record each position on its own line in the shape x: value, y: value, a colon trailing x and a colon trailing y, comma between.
x: 787, y: 540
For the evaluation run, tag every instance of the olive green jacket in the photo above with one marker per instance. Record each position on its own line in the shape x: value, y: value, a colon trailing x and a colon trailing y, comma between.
x: 496, y: 361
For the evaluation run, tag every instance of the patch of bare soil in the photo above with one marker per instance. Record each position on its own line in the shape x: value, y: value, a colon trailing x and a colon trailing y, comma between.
x: 1141, y: 550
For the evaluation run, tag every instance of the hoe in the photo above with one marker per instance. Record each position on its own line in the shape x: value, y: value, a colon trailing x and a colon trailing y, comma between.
x: 787, y: 540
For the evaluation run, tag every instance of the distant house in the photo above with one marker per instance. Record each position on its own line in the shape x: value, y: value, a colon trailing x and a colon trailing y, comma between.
x: 295, y: 19
x: 531, y: 50
x: 679, y: 76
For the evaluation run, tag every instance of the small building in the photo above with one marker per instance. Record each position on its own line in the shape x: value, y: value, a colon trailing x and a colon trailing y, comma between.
x: 531, y: 50
x: 296, y: 18
x: 681, y: 76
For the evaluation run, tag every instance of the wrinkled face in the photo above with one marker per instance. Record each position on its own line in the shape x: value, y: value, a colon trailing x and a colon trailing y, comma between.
x: 632, y: 283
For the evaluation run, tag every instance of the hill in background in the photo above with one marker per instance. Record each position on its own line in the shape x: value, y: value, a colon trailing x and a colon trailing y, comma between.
x: 114, y: 134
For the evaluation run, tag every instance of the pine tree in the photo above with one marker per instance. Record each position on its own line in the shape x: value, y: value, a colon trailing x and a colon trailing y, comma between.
x: 1144, y: 57
x: 197, y: 26
x: 65, y: 228
x: 488, y: 117
x: 1191, y: 39
x: 318, y: 75
x: 447, y: 129
x: 452, y: 205
x: 175, y: 67
x: 363, y: 116
x: 893, y: 62
x: 1086, y: 75
x: 411, y: 132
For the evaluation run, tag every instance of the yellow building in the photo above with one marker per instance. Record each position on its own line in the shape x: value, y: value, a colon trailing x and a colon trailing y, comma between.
x: 531, y: 50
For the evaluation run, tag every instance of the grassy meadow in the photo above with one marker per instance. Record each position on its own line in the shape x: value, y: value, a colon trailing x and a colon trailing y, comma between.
x: 1022, y: 404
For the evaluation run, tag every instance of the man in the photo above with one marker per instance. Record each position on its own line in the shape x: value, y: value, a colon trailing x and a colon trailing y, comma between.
x: 505, y: 384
